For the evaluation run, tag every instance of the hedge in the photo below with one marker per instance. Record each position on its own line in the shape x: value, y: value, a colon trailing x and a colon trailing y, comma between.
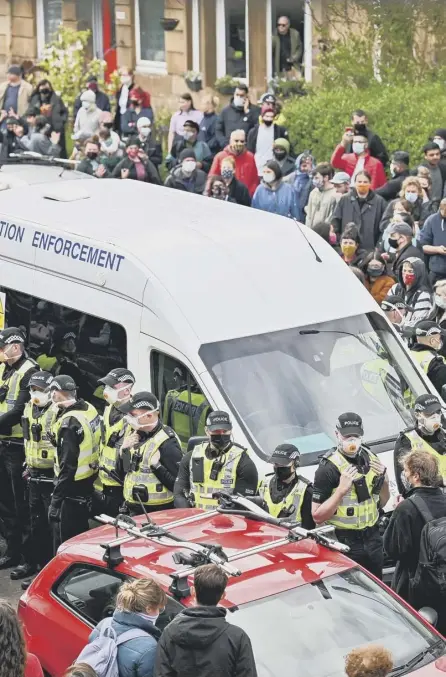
x: 404, y: 116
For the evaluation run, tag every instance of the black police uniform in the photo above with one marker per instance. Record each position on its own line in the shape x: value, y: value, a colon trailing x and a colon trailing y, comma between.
x: 279, y: 491
x: 13, y: 504
x: 437, y: 368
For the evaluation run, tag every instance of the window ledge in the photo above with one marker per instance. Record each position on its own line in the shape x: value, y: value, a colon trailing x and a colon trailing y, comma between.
x: 151, y: 68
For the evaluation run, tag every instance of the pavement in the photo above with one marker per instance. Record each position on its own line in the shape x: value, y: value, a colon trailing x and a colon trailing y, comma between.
x: 9, y: 590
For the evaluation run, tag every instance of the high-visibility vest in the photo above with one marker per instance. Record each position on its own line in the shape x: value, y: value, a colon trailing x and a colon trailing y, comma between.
x: 157, y: 493
x: 39, y: 451
x: 350, y: 514
x: 424, y: 358
x: 108, y: 454
x: 90, y: 422
x: 48, y: 363
x: 295, y: 497
x: 417, y: 443
x: 12, y: 386
x: 226, y: 478
x: 187, y: 416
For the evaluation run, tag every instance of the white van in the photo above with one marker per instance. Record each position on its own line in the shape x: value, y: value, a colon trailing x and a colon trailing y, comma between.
x: 260, y: 311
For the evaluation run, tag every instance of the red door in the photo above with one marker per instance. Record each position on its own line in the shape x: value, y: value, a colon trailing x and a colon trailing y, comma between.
x: 109, y: 36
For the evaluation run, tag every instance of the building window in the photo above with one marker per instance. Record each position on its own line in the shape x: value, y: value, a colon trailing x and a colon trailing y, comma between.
x: 232, y: 38
x: 49, y: 19
x: 150, y: 41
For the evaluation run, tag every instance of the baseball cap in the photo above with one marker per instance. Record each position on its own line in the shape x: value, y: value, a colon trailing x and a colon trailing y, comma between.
x: 393, y: 301
x: 41, y: 379
x: 401, y: 156
x: 427, y: 328
x: 62, y: 334
x: 401, y: 229
x: 192, y: 124
x: 15, y: 70
x: 63, y: 382
x: 11, y: 335
x: 116, y: 376
x: 427, y: 404
x: 218, y: 420
x: 142, y: 400
x: 268, y: 98
x: 350, y: 424
x: 341, y: 177
x: 284, y: 453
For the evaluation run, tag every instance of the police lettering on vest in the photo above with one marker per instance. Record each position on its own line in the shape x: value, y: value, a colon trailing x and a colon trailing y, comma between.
x: 186, y: 411
x: 39, y: 451
x: 225, y: 477
x: 294, y: 498
x: 9, y: 389
x: 141, y: 474
x: 90, y: 423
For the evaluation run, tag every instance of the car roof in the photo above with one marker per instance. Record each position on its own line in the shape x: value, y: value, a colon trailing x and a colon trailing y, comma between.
x: 21, y: 174
x: 266, y: 573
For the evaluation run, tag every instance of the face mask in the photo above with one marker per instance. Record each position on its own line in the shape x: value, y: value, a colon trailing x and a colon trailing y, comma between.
x: 111, y: 395
x: 238, y: 148
x: 348, y: 250
x: 227, y: 173
x: 411, y: 197
x: 189, y: 135
x: 4, y: 356
x: 409, y: 278
x: 144, y: 131
x: 440, y: 302
x: 221, y: 441
x: 406, y: 484
x: 279, y: 154
x: 374, y: 272
x: 351, y: 445
x: 40, y: 399
x: 362, y: 192
x: 189, y: 167
x: 45, y: 92
x: 269, y: 177
x: 217, y: 192
x: 108, y: 125
x: 392, y: 171
x: 125, y: 79
x: 440, y: 142
x: 133, y: 421
x: 239, y: 101
x: 134, y: 102
x: 332, y: 238
x: 268, y: 123
x: 430, y: 423
x: 93, y: 86
x: 62, y: 405
x: 393, y: 242
x: 358, y: 148
x: 283, y: 472
x: 92, y: 155
x: 133, y: 153
x: 86, y: 105
x: 318, y: 183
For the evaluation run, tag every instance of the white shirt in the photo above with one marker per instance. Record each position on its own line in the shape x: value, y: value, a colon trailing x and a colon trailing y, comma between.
x: 123, y: 99
x: 264, y: 147
x: 359, y: 168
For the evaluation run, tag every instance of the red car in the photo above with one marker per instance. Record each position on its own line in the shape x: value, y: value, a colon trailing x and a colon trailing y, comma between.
x: 304, y: 605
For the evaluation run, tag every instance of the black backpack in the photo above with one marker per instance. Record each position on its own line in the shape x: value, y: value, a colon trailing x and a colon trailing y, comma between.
x: 429, y: 580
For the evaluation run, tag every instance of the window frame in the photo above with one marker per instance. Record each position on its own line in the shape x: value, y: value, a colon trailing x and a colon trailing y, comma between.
x: 220, y: 43
x: 40, y: 26
x: 145, y: 66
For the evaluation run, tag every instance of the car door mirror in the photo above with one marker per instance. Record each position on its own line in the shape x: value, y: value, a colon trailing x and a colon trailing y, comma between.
x: 429, y: 615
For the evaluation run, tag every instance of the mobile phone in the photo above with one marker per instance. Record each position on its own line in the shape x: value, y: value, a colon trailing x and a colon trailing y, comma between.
x: 349, y: 130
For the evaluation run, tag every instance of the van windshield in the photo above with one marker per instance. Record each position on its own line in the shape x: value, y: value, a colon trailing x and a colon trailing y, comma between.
x: 291, y: 385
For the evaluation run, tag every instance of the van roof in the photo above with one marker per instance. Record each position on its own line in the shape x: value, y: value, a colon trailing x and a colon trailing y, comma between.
x: 214, y: 260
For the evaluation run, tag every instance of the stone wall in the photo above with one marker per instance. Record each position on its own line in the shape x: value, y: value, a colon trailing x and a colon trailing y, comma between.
x: 17, y: 32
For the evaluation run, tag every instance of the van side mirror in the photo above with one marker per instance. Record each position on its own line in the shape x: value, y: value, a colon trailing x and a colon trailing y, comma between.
x: 194, y: 442
x: 429, y: 615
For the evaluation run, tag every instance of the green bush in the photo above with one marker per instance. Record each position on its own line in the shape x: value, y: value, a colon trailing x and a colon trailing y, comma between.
x: 404, y: 116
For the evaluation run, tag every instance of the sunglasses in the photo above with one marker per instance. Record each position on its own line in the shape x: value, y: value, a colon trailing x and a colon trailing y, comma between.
x: 282, y: 25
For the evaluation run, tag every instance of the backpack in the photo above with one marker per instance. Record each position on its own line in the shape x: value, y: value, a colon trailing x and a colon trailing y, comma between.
x: 429, y: 580
x: 102, y: 653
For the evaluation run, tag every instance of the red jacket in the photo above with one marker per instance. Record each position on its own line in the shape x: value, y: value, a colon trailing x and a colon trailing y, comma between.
x: 245, y: 168
x: 346, y: 162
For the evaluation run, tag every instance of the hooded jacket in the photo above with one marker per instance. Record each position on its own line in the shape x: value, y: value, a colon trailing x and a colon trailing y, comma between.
x: 346, y: 162
x: 200, y: 641
x: 418, y: 296
x: 245, y: 168
x: 278, y: 200
x: 302, y: 184
x: 434, y: 234
x: 321, y: 206
x: 195, y: 183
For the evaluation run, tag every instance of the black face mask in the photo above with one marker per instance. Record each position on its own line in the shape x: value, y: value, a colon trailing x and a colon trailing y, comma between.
x: 92, y: 155
x: 268, y: 123
x: 45, y: 92
x: 221, y: 441
x: 284, y: 472
x: 279, y: 154
x: 108, y: 125
x: 393, y: 242
x: 360, y: 129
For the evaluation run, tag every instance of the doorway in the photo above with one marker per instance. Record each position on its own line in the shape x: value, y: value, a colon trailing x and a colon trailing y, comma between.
x: 99, y: 18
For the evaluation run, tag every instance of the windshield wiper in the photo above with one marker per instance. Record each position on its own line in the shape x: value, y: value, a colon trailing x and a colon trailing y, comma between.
x: 416, y: 659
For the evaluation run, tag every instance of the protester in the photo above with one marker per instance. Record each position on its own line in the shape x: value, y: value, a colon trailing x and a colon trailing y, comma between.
x: 110, y: 143
x: 341, y: 181
x: 237, y: 191
x: 273, y: 195
x: 186, y: 175
x: 301, y: 181
x: 102, y: 100
x: 400, y: 240
x: 15, y: 93
x: 412, y: 193
x: 208, y: 123
x: 369, y: 661
x: 245, y: 165
x: 190, y: 141
x: 261, y: 137
x: 363, y: 207
x: 432, y: 160
x: 122, y: 95
x: 376, y: 146
x: 15, y: 661
x: 187, y: 111
x: 351, y: 251
x: 136, y: 165
x: 51, y: 106
x: 322, y: 201
x: 397, y: 208
x: 44, y: 141
x: 359, y: 160
x: 413, y: 286
x: 139, y: 108
x: 425, y: 179
x: 269, y: 99
x: 281, y: 153
x: 432, y: 239
x: 80, y: 670
x: 92, y: 163
x: 326, y: 231
x: 439, y: 138
x: 377, y: 281
x: 399, y: 170
x: 438, y: 314
x: 88, y: 119
x: 200, y: 638
x: 217, y: 189
x: 287, y: 48
x: 239, y: 115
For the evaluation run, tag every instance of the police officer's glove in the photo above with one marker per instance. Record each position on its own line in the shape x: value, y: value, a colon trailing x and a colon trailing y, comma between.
x: 25, y: 473
x: 53, y: 514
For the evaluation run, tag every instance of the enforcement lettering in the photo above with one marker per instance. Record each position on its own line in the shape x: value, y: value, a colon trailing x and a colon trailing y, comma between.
x: 76, y: 251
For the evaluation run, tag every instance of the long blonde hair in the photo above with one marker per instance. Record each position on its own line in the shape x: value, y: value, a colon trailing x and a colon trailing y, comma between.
x: 140, y: 595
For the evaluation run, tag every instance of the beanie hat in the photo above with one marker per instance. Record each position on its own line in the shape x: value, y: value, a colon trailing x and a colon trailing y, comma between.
x: 89, y: 96
x: 143, y: 122
x: 187, y: 153
x: 282, y: 143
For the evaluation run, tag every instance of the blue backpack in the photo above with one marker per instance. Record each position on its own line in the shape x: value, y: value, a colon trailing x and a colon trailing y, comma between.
x: 102, y: 653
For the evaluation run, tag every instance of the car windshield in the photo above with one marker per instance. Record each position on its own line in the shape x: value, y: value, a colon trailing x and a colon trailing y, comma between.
x: 308, y: 631
x: 292, y: 385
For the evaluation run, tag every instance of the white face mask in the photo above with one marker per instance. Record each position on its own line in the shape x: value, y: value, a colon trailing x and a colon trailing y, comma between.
x: 111, y: 395
x: 430, y: 423
x: 40, y: 399
x: 144, y: 131
x: 125, y: 79
x: 86, y: 105
x: 62, y: 405
x: 239, y: 101
x: 133, y: 421
x: 440, y: 143
x: 440, y: 301
x: 5, y: 356
x: 411, y: 197
x: 351, y: 445
x: 189, y: 167
x: 269, y: 177
x: 358, y: 147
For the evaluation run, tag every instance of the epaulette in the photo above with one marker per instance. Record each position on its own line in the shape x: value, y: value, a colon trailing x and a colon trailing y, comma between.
x: 168, y: 430
x: 324, y: 458
x: 303, y: 479
x: 235, y: 444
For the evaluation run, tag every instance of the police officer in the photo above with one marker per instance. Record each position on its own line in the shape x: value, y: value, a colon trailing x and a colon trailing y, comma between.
x: 349, y: 487
x: 395, y: 309
x: 151, y: 455
x: 16, y: 370
x: 76, y: 434
x: 429, y: 340
x: 218, y: 464
x: 185, y: 409
x: 62, y: 359
x: 428, y: 435
x: 117, y: 391
x: 37, y: 422
x: 286, y: 493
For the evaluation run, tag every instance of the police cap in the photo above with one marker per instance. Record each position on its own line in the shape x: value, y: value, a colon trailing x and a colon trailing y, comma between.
x: 427, y: 328
x: 350, y: 424
x: 218, y: 420
x: 142, y: 400
x: 11, y: 335
x: 427, y: 404
x: 64, y: 383
x: 284, y: 453
x: 393, y: 301
x: 62, y: 334
x: 41, y: 379
x: 116, y: 376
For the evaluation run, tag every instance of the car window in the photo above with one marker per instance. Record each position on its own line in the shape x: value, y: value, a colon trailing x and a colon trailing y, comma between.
x: 91, y: 592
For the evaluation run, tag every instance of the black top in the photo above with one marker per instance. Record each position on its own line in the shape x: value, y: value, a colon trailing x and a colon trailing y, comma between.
x: 437, y: 368
x: 280, y: 490
x: 285, y: 51
x: 327, y: 475
x: 402, y: 446
x: 239, y: 193
x: 14, y: 416
x: 246, y: 480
